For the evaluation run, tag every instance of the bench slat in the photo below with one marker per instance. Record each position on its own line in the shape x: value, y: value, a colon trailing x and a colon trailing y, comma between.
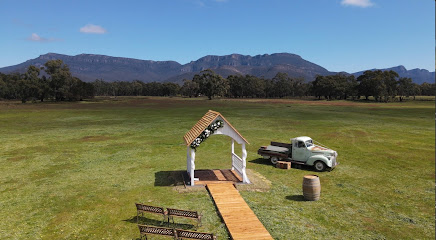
x: 194, y: 235
x: 146, y: 208
x: 176, y: 233
x: 182, y: 213
x: 144, y: 229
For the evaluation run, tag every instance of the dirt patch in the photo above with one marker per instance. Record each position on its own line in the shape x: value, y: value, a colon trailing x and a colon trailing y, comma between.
x: 305, y: 102
x: 331, y: 135
x: 95, y: 138
x: 258, y: 183
x: 359, y: 133
x: 50, y: 171
x: 16, y: 158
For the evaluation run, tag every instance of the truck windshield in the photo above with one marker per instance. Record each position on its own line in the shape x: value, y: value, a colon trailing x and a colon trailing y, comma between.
x: 309, y: 143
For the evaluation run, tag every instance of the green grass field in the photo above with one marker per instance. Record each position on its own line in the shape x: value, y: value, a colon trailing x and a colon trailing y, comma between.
x: 75, y: 170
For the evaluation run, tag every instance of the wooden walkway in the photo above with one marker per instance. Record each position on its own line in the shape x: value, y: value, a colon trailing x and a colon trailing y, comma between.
x: 216, y: 176
x: 240, y: 220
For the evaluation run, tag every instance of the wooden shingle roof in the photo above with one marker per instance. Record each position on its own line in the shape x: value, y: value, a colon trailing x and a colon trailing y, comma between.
x: 203, y: 123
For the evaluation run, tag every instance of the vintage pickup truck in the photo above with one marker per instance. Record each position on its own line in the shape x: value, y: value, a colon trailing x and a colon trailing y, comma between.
x: 301, y: 150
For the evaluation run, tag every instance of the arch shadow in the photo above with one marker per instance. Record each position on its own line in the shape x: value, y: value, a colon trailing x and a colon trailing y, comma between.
x: 169, y: 178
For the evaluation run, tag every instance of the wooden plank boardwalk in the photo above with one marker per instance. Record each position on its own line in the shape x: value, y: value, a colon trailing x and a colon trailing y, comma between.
x: 240, y: 220
x: 216, y: 176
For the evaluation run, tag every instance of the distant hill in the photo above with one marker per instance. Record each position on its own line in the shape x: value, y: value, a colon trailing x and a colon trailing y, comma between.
x: 417, y: 75
x: 89, y: 67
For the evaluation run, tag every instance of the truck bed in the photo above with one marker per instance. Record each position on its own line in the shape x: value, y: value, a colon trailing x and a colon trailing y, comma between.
x: 285, y: 145
x: 277, y: 149
x: 281, y: 150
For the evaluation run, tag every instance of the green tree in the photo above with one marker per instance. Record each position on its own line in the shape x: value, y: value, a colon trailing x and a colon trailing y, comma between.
x: 416, y: 90
x: 370, y: 84
x: 324, y: 86
x: 77, y: 90
x: 236, y: 85
x: 390, y: 83
x: 405, y: 88
x: 137, y: 87
x: 298, y: 87
x: 171, y: 89
x: 10, y: 90
x: 282, y: 85
x: 269, y: 88
x: 351, y: 88
x: 102, y: 88
x: 2, y: 85
x: 59, y: 75
x: 255, y: 86
x: 189, y: 88
x: 153, y: 89
x: 428, y: 89
x: 28, y: 84
x: 211, y: 84
x: 43, y: 88
x: 382, y: 85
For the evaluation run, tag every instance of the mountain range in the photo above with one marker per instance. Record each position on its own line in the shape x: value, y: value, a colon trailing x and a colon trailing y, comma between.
x: 89, y: 67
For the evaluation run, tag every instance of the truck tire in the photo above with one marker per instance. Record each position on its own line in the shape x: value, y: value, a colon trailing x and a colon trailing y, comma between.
x: 320, y: 166
x: 274, y: 160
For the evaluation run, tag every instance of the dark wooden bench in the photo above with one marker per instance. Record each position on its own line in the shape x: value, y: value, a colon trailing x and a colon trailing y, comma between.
x: 162, y: 231
x: 183, y: 213
x: 141, y: 209
x: 184, y: 234
x: 178, y: 234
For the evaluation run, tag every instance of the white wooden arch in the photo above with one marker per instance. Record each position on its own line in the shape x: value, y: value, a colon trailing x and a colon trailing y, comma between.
x: 239, y: 164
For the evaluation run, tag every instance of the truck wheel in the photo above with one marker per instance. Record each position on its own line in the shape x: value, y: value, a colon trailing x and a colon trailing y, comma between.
x: 274, y: 160
x: 320, y: 166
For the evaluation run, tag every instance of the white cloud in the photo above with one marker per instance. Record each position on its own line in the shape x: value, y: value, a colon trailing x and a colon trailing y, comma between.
x: 357, y: 3
x: 93, y: 29
x: 200, y: 3
x: 36, y: 38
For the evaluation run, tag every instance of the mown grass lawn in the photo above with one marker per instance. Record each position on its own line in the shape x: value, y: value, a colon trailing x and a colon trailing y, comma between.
x: 75, y: 170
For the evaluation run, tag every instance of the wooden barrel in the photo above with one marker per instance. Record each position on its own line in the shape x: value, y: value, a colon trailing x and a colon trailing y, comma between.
x: 311, y: 187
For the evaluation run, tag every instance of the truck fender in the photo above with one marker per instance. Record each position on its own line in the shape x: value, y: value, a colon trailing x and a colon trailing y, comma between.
x: 321, y: 158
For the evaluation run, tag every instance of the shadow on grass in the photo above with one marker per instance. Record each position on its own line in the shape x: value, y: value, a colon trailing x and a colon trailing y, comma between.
x: 294, y: 166
x: 168, y: 178
x: 261, y: 161
x: 297, y: 198
x: 154, y: 222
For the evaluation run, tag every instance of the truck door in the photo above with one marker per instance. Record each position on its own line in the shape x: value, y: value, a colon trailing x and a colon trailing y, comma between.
x: 299, y: 151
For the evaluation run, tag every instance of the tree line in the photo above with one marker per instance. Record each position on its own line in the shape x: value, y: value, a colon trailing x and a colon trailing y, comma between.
x: 381, y: 85
x: 59, y: 85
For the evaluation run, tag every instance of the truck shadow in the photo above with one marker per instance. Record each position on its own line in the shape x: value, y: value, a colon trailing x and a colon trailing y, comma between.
x: 293, y: 166
x: 261, y: 161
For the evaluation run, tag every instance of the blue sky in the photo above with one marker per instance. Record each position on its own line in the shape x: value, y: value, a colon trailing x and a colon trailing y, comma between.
x: 340, y: 35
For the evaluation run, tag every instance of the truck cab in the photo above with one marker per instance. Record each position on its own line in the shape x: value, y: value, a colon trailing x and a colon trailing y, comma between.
x: 301, y: 150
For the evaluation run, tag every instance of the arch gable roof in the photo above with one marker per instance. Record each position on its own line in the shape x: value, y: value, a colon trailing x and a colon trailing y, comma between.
x: 203, y: 123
